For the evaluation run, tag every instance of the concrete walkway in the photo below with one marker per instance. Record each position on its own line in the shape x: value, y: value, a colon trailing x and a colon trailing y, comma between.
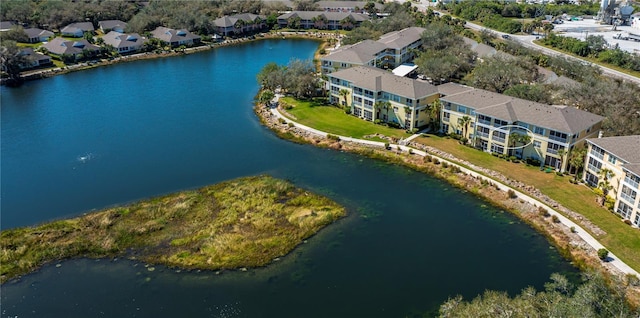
x: 590, y: 240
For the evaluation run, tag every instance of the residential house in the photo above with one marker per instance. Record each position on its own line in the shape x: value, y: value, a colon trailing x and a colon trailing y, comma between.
x: 175, y: 37
x: 123, y: 42
x: 374, y: 94
x: 77, y: 29
x: 6, y: 25
x: 346, y: 6
x: 112, y: 25
x: 75, y: 48
x: 34, y: 59
x: 497, y: 123
x: 390, y: 51
x: 239, y: 24
x: 36, y: 35
x: 321, y: 20
x: 620, y: 155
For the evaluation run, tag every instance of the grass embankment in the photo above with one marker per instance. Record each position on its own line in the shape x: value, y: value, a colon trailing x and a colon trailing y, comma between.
x: 333, y: 120
x: 245, y: 222
x: 620, y: 239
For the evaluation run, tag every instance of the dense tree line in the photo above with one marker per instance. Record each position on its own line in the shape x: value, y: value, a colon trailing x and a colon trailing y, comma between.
x: 471, y: 10
x: 400, y: 17
x: 298, y: 78
x: 595, y: 297
x: 594, y: 46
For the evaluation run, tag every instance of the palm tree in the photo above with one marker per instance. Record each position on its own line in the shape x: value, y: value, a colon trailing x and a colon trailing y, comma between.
x: 434, y: 114
x: 464, y: 122
x: 516, y: 138
x: 576, y: 160
x: 604, y: 184
x: 344, y: 93
x: 561, y: 153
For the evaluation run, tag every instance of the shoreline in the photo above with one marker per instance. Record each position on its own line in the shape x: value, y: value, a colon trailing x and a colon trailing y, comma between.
x: 511, y: 196
x: 33, y: 75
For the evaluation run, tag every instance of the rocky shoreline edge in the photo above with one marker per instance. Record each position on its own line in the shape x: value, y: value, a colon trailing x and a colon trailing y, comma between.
x: 492, y: 186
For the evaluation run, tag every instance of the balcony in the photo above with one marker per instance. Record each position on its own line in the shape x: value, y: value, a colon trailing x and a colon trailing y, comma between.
x: 552, y: 151
x: 593, y: 168
x: 484, y: 122
x: 628, y: 198
x: 559, y: 139
x: 596, y: 154
x: 482, y: 134
x: 631, y: 183
x: 498, y: 139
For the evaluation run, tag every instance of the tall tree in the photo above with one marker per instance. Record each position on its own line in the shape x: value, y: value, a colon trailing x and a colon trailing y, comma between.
x: 11, y: 61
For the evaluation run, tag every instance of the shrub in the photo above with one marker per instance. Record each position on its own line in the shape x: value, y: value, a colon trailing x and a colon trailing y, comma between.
x: 463, y: 140
x: 455, y: 136
x: 291, y: 125
x: 632, y: 280
x: 386, y: 146
x: 393, y: 125
x: 455, y: 169
x: 512, y: 194
x: 559, y: 173
x: 627, y: 222
x: 282, y: 121
x: 412, y: 131
x: 427, y: 158
x: 484, y: 182
x: 436, y: 161
x: 377, y: 121
x: 347, y: 111
x: 533, y: 162
x: 603, y: 254
x: 512, y: 158
x: 333, y: 137
x: 573, y: 229
x: 445, y: 164
x: 410, y: 151
x: 555, y: 219
x: 543, y: 212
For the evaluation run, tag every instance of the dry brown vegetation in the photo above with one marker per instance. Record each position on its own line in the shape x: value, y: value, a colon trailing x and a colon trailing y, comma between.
x: 245, y: 222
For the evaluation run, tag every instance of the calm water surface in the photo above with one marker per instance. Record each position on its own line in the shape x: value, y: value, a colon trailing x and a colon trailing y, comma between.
x: 97, y: 138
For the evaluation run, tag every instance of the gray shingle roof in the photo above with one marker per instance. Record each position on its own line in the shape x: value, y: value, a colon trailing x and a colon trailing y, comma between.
x: 626, y: 148
x: 84, y: 26
x: 172, y: 35
x: 345, y: 4
x: 61, y: 46
x: 229, y: 21
x: 35, y: 32
x: 402, y: 38
x: 110, y: 24
x: 359, y: 53
x: 452, y: 88
x: 6, y: 25
x: 560, y: 118
x: 331, y: 16
x: 378, y: 80
x: 119, y: 40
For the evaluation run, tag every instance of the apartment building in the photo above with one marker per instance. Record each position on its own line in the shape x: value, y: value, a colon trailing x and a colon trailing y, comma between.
x: 511, y: 126
x: 390, y: 51
x: 620, y: 156
x: 372, y: 93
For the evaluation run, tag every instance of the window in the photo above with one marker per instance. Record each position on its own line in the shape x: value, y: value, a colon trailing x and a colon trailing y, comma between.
x: 632, y: 180
x: 447, y: 106
x: 446, y: 117
x: 594, y: 165
x: 591, y: 179
x: 624, y: 210
x: 628, y: 194
x: 483, y: 132
x: 597, y: 152
x: 484, y: 119
x: 554, y: 148
x: 637, y: 221
x: 497, y: 149
x: 499, y: 123
x: 499, y: 136
x: 445, y: 128
x: 537, y: 143
x: 538, y: 130
x: 612, y: 159
x: 409, y: 101
x: 523, y: 125
x: 557, y: 136
x: 357, y: 111
x: 462, y: 109
x: 368, y: 115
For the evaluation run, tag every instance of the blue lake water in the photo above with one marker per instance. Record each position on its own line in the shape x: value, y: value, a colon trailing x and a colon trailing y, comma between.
x: 107, y: 136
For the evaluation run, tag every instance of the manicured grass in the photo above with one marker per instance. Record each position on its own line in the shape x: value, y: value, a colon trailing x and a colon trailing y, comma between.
x: 239, y: 223
x: 31, y: 45
x: 333, y: 120
x: 620, y: 239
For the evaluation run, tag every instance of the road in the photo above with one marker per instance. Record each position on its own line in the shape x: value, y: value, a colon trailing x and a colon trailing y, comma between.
x: 527, y: 41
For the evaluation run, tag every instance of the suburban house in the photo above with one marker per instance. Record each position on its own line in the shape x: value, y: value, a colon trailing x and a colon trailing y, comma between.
x: 239, y: 23
x: 6, y: 25
x: 34, y: 59
x: 321, y: 20
x: 175, y: 37
x: 123, y: 42
x: 77, y: 29
x: 112, y: 25
x: 620, y: 155
x: 390, y: 51
x: 375, y: 94
x: 498, y: 123
x: 62, y: 46
x: 35, y: 35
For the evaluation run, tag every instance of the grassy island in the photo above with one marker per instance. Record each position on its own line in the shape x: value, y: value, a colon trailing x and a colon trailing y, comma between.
x: 245, y: 222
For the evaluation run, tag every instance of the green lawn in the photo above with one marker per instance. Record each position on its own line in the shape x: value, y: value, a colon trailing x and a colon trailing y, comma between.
x: 621, y: 239
x: 333, y: 120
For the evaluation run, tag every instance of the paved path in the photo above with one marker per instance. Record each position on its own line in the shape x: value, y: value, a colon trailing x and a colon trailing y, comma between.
x: 590, y: 240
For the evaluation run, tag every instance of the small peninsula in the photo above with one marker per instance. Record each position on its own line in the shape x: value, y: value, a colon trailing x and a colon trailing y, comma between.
x: 244, y: 222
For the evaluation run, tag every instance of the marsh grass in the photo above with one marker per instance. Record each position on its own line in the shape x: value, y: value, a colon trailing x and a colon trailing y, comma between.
x: 245, y: 222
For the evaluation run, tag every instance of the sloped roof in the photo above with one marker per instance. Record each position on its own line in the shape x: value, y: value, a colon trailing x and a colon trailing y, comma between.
x: 626, y: 148
x: 73, y: 27
x: 35, y: 32
x: 402, y: 38
x: 359, y: 53
x: 345, y: 4
x: 33, y: 55
x: 229, y: 21
x: 560, y: 118
x: 330, y: 16
x: 61, y: 46
x: 452, y: 88
x: 110, y: 24
x: 378, y: 80
x: 173, y: 35
x: 118, y: 40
